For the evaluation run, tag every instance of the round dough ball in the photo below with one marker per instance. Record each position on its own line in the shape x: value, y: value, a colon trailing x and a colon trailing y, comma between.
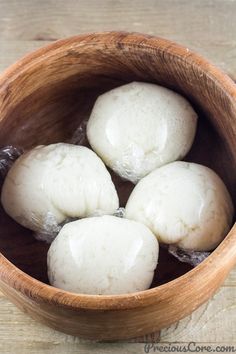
x: 49, y: 184
x: 138, y: 127
x: 103, y: 256
x: 184, y: 204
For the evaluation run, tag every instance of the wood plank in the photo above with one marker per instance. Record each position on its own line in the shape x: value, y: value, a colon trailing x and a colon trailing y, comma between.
x: 207, y: 27
x: 48, y: 19
x: 70, y: 348
x: 231, y: 279
x: 11, y: 51
x: 213, y: 322
x: 202, y: 327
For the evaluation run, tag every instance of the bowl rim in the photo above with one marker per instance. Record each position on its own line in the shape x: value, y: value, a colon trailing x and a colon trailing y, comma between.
x: 224, y: 255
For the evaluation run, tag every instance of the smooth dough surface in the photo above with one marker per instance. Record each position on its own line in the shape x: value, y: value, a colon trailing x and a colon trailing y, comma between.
x: 103, y: 256
x: 138, y: 127
x: 49, y: 184
x: 184, y: 204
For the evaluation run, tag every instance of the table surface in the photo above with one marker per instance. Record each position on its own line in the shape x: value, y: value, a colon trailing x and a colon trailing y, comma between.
x: 206, y: 26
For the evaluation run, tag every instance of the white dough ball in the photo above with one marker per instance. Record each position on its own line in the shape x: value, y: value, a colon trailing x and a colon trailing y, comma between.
x: 140, y: 126
x: 184, y: 204
x: 103, y: 256
x: 49, y: 184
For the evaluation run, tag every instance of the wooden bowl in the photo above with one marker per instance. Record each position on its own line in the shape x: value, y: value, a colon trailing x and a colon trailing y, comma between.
x: 43, y: 99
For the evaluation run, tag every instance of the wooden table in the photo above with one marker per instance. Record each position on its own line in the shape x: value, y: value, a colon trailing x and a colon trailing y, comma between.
x: 206, y: 26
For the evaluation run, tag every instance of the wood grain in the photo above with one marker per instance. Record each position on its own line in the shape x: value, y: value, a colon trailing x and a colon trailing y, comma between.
x: 206, y: 26
x: 203, y: 324
x: 210, y: 31
x: 32, y: 337
x: 60, y: 84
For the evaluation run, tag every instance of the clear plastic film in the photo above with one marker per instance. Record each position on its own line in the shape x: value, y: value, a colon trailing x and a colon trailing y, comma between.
x: 139, y: 127
x: 79, y: 137
x: 50, y: 228
x: 47, y: 224
x: 187, y: 256
x: 120, y: 213
x: 55, y: 184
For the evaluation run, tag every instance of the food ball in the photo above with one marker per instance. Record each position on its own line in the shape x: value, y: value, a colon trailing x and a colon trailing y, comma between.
x: 140, y: 126
x: 50, y: 184
x: 103, y: 255
x: 183, y: 203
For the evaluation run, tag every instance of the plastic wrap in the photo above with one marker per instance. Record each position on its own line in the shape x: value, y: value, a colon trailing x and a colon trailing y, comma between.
x: 139, y: 127
x: 8, y: 155
x: 53, y: 185
x: 79, y: 137
x: 48, y: 226
x: 186, y: 256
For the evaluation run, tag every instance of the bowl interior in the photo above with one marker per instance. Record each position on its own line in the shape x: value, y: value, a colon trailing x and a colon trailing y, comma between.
x: 51, y: 96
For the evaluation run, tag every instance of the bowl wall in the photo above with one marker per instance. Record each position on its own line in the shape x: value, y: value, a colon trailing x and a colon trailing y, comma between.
x: 43, y: 99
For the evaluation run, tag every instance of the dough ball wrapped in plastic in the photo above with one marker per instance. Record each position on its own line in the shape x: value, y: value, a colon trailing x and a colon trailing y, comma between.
x: 183, y: 203
x: 103, y: 256
x: 50, y: 184
x: 138, y: 127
